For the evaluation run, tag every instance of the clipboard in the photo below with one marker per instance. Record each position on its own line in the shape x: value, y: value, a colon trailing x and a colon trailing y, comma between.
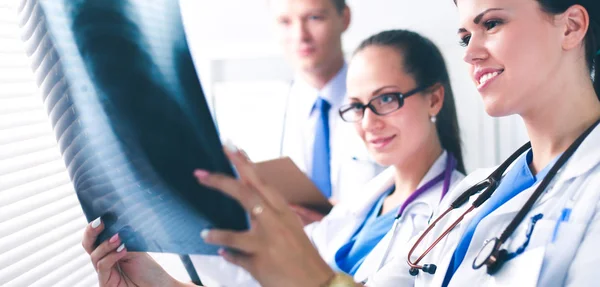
x: 284, y: 176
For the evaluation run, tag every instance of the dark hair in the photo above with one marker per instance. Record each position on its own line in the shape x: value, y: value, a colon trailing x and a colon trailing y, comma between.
x: 340, y: 5
x: 424, y: 61
x: 592, y: 38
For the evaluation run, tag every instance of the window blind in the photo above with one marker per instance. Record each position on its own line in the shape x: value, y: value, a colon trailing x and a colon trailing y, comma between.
x: 41, y: 222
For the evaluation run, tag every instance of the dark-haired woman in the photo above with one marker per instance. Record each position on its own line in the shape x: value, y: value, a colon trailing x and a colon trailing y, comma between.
x: 401, y: 104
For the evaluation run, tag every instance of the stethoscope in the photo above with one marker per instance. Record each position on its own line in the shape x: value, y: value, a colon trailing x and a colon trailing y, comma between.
x: 491, y: 255
x: 445, y: 176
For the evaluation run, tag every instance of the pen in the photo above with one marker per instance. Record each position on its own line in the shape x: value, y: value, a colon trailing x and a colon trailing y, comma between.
x: 564, y: 217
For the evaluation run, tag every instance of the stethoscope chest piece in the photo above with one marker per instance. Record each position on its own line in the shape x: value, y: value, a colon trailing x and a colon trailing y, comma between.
x: 491, y: 256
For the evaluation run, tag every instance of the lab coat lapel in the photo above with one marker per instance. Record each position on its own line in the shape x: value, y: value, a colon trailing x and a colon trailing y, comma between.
x: 423, y: 206
x: 360, y: 204
x: 297, y: 112
x: 442, y: 253
x: 351, y: 213
x: 585, y: 158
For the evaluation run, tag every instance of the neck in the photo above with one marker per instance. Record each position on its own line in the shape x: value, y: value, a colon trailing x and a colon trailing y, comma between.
x: 552, y: 127
x: 319, y: 77
x: 412, y: 171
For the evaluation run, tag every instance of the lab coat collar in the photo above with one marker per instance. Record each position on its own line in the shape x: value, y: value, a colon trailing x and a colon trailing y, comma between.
x: 363, y: 201
x: 334, y: 92
x: 584, y: 159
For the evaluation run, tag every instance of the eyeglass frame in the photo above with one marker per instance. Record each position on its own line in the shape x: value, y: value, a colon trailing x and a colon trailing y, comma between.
x: 398, y: 95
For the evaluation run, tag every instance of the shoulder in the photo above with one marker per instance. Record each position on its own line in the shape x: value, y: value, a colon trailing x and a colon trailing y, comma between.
x: 457, y: 178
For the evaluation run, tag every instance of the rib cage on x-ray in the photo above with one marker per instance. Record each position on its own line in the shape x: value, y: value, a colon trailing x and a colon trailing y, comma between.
x: 130, y: 118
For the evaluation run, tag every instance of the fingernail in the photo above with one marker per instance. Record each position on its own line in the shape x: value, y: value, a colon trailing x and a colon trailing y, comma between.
x: 114, y: 238
x: 230, y: 146
x: 200, y: 173
x: 121, y: 247
x: 204, y: 233
x: 96, y: 222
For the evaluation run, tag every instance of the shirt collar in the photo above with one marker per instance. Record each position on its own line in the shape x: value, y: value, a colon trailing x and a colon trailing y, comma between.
x: 334, y: 92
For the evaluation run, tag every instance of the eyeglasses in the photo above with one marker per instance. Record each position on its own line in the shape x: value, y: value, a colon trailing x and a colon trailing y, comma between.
x: 380, y: 105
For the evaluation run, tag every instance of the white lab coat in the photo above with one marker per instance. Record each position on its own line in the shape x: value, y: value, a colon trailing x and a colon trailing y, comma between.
x: 570, y: 260
x: 337, y: 228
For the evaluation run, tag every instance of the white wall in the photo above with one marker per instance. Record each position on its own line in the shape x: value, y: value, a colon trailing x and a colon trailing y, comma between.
x: 232, y: 41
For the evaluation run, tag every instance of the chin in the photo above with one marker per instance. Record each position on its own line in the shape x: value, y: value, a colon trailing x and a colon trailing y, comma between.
x: 496, y: 107
x: 383, y: 159
x: 309, y: 64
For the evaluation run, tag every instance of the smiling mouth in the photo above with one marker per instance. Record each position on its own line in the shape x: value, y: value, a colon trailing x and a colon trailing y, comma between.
x: 488, y: 77
x: 382, y: 142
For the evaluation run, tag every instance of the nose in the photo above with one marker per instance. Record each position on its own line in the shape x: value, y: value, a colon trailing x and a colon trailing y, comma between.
x: 371, y: 121
x: 300, y: 31
x: 475, y: 51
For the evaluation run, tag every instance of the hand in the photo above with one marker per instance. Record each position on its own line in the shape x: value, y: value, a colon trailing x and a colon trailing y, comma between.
x: 116, y: 267
x: 307, y: 216
x: 275, y: 250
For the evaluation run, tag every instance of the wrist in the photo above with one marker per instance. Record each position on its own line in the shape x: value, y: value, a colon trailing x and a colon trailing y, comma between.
x: 322, y: 277
x: 339, y: 279
x: 177, y: 283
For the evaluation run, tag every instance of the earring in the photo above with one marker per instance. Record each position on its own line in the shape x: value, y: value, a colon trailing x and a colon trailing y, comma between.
x: 433, y: 119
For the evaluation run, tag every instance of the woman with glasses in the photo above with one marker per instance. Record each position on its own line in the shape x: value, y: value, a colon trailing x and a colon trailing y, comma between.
x: 532, y: 221
x: 401, y: 104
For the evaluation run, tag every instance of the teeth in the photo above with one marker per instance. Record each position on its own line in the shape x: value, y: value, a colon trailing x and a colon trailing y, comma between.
x: 487, y: 77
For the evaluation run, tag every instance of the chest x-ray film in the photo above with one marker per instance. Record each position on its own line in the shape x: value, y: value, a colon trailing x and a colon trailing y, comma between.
x: 131, y: 120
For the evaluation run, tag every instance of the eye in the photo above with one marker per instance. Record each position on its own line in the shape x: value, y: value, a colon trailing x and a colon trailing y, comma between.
x: 464, y: 41
x: 386, y: 99
x: 315, y: 17
x: 491, y: 24
x: 283, y: 21
x: 356, y: 107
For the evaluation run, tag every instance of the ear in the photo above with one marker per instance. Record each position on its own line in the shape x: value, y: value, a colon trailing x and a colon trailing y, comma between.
x: 436, y: 99
x: 347, y: 17
x: 576, y: 23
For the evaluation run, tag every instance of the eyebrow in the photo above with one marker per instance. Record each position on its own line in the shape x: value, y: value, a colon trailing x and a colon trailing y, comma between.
x: 304, y: 14
x: 383, y: 88
x: 315, y: 11
x: 479, y: 17
x: 375, y: 93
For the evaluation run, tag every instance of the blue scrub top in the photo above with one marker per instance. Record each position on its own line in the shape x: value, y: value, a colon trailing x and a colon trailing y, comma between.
x: 352, y: 254
x: 516, y: 180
